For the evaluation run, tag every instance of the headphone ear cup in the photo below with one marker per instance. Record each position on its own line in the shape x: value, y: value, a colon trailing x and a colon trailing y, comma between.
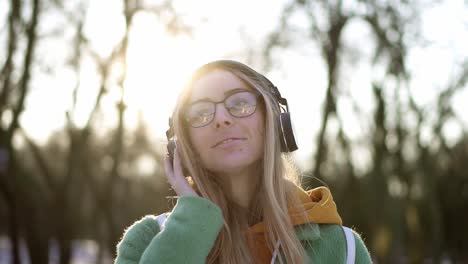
x: 287, y: 139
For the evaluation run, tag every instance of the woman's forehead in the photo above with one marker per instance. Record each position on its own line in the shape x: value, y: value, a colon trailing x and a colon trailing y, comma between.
x: 215, y: 84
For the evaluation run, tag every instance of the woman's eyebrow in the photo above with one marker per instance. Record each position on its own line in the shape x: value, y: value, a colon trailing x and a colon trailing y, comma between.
x: 226, y: 94
x: 233, y: 91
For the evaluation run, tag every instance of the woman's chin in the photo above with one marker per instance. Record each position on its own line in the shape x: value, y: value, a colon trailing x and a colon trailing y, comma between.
x: 231, y: 164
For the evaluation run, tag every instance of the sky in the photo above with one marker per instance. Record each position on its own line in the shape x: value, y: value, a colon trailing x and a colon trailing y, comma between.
x: 159, y: 64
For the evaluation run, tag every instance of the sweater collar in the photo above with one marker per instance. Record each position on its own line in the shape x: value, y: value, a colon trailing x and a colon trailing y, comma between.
x: 319, y: 209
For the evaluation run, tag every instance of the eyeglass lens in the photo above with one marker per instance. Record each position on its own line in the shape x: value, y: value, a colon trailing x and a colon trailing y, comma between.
x: 241, y: 104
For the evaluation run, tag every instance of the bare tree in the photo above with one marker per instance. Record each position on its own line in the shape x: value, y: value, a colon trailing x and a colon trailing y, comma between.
x: 12, y: 97
x: 404, y: 173
x: 54, y: 210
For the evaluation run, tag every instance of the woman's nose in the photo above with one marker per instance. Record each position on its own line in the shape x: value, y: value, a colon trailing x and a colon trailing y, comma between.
x: 222, y: 116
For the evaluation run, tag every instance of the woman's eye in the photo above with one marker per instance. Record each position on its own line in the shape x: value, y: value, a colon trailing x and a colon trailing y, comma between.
x: 241, y: 103
x: 201, y: 117
x: 201, y: 111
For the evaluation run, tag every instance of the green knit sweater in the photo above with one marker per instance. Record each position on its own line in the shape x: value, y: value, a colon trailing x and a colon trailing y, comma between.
x: 191, y: 230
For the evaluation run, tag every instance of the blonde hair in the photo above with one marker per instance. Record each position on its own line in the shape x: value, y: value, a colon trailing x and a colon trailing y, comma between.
x: 270, y: 201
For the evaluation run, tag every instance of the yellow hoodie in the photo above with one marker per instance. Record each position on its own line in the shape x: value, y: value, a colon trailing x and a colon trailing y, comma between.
x: 320, y: 209
x: 195, y: 222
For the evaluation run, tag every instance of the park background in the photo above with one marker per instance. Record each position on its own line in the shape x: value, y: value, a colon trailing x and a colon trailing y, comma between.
x: 377, y: 91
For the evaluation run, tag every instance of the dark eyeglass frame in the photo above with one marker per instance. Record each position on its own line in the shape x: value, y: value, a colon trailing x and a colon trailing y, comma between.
x: 215, y: 104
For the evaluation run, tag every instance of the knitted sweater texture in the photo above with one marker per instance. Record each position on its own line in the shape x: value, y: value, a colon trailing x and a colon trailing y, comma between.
x: 192, y: 227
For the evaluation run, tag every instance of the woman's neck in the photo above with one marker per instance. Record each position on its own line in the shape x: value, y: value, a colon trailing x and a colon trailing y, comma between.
x: 240, y: 186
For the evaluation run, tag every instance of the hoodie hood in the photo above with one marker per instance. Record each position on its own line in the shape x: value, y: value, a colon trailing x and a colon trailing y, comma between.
x: 319, y: 209
x: 318, y: 204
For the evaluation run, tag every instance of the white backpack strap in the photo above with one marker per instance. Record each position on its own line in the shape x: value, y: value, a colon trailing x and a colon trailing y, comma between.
x: 275, y: 253
x: 161, y: 220
x: 350, y: 245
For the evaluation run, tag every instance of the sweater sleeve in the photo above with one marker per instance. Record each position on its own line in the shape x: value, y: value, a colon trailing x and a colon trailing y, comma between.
x: 189, y: 234
x: 135, y: 240
x: 362, y: 254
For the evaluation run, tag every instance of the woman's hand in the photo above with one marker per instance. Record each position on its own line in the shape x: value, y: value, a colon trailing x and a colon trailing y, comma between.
x: 176, y: 177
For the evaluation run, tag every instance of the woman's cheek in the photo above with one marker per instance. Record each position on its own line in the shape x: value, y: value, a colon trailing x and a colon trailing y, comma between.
x: 202, y: 149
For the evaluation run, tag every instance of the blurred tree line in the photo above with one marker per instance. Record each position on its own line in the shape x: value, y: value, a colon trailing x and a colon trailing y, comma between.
x: 410, y: 202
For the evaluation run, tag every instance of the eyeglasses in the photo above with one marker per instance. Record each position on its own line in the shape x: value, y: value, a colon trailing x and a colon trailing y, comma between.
x: 239, y: 104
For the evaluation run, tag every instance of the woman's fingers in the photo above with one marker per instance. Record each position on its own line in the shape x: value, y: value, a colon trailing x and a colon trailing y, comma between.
x: 176, y: 165
x: 175, y: 176
x: 168, y: 169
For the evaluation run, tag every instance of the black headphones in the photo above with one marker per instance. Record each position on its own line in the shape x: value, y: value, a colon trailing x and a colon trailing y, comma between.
x: 287, y: 139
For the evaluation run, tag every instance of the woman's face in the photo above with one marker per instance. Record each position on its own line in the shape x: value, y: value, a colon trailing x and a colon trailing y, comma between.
x: 228, y: 144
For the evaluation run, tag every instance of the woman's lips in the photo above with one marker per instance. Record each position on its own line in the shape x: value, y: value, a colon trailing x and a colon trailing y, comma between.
x: 227, y: 142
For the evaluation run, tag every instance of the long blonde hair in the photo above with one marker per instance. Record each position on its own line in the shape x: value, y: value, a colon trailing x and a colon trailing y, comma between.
x: 272, y: 197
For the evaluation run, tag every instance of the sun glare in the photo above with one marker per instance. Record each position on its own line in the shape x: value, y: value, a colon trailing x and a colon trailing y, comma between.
x: 157, y: 66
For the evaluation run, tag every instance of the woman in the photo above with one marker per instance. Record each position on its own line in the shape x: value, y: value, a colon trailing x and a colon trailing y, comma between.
x: 242, y: 202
